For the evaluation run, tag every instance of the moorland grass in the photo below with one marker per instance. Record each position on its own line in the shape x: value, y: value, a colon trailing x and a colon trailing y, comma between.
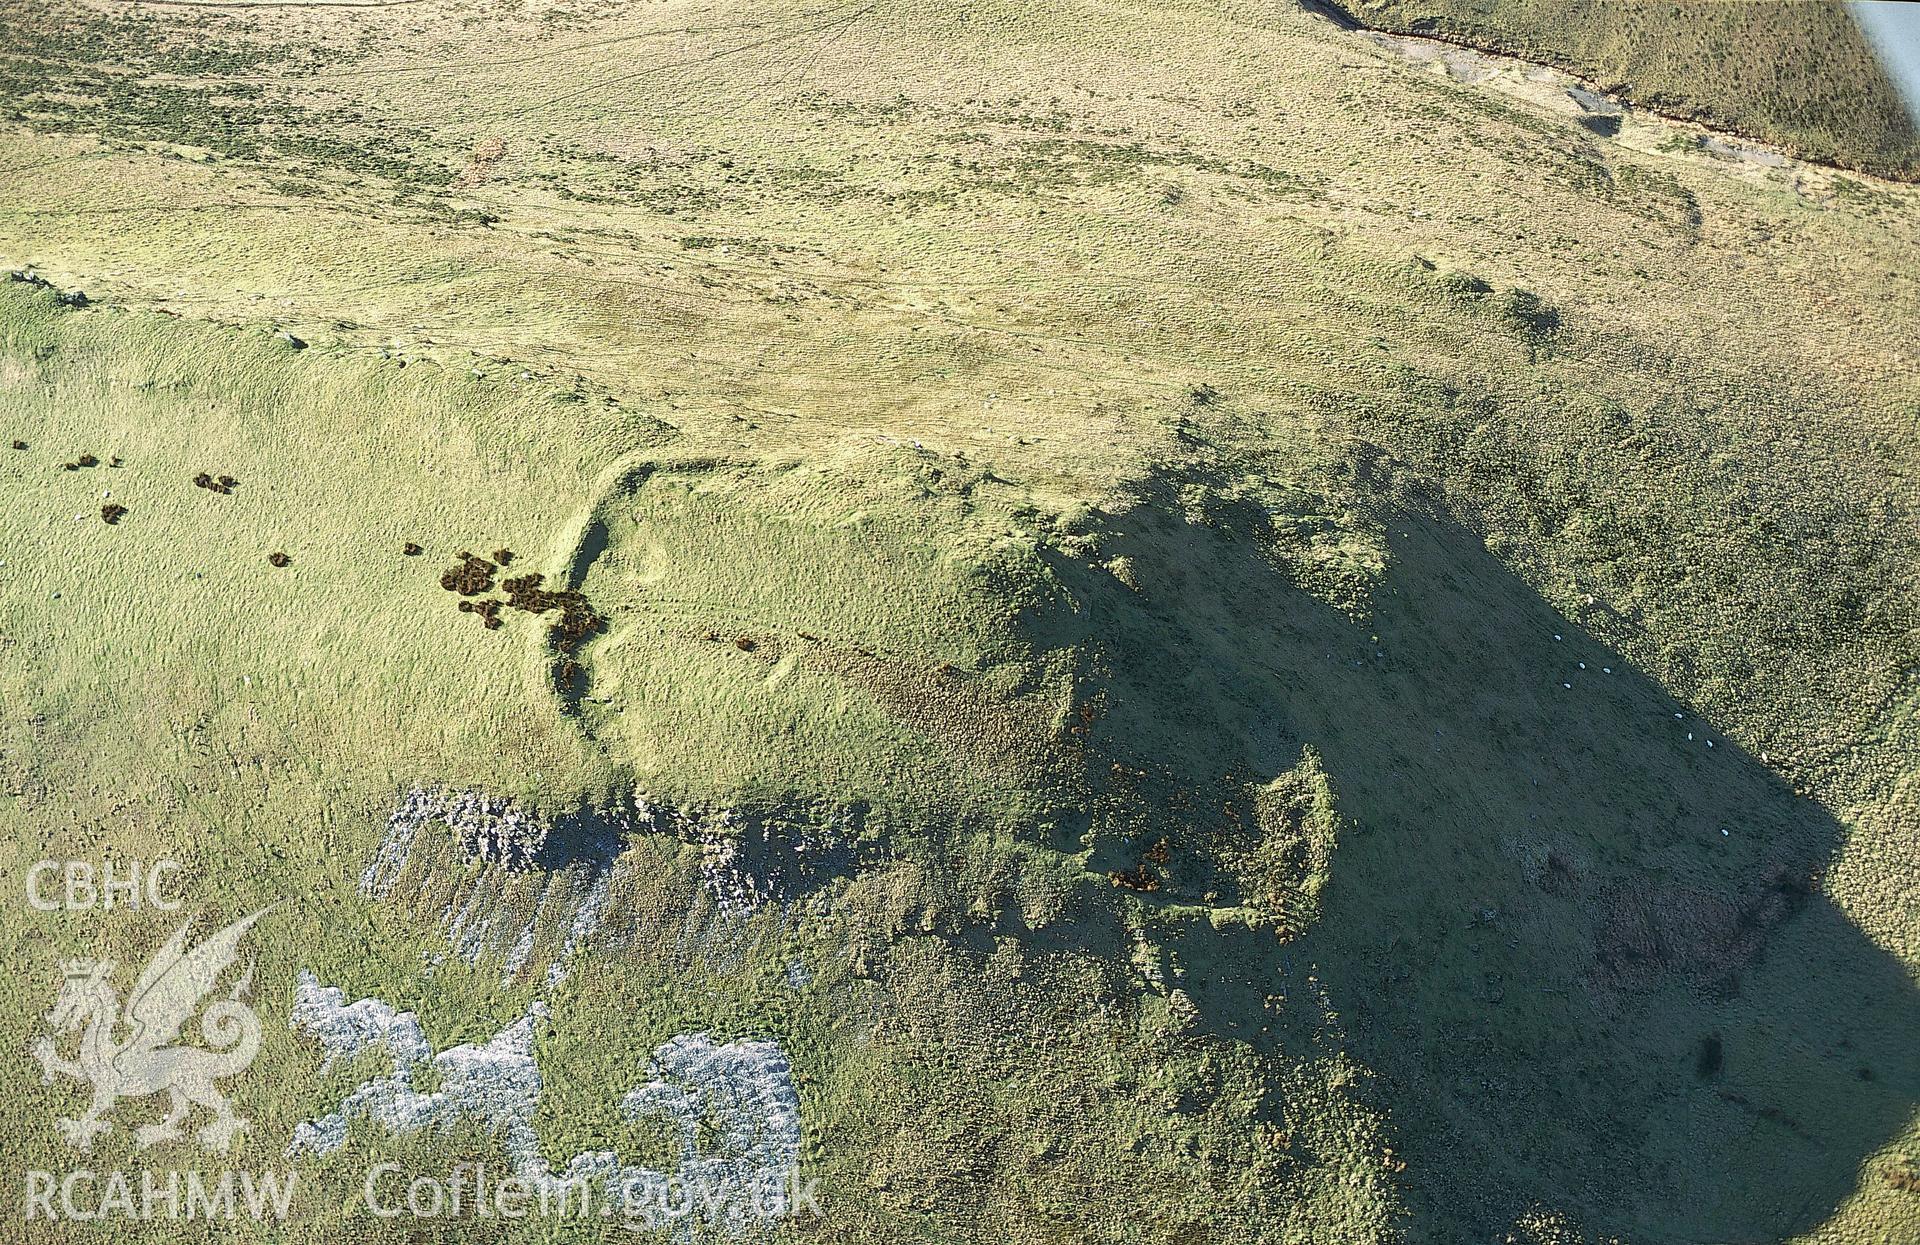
x: 1084, y: 469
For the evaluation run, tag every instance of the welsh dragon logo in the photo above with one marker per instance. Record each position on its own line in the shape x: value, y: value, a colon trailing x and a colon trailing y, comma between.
x: 168, y: 994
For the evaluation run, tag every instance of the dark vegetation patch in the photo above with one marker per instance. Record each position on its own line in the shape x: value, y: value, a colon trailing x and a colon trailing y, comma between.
x: 488, y: 611
x: 215, y: 484
x: 279, y: 559
x: 471, y: 577
x: 578, y: 621
x: 1145, y: 876
x: 1708, y: 1060
x: 111, y: 512
x: 136, y: 80
x: 1706, y: 939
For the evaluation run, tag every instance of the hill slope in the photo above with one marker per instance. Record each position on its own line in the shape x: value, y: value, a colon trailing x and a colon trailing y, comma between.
x: 1222, y: 637
x: 1800, y: 75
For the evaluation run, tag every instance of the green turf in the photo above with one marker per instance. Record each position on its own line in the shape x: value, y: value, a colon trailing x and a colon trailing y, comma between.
x: 1150, y: 478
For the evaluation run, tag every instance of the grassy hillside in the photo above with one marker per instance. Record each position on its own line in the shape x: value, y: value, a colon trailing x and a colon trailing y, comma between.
x: 1799, y: 74
x: 1341, y: 647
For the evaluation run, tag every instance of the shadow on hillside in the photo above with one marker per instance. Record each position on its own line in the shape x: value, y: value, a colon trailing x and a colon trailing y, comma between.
x: 1585, y: 955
